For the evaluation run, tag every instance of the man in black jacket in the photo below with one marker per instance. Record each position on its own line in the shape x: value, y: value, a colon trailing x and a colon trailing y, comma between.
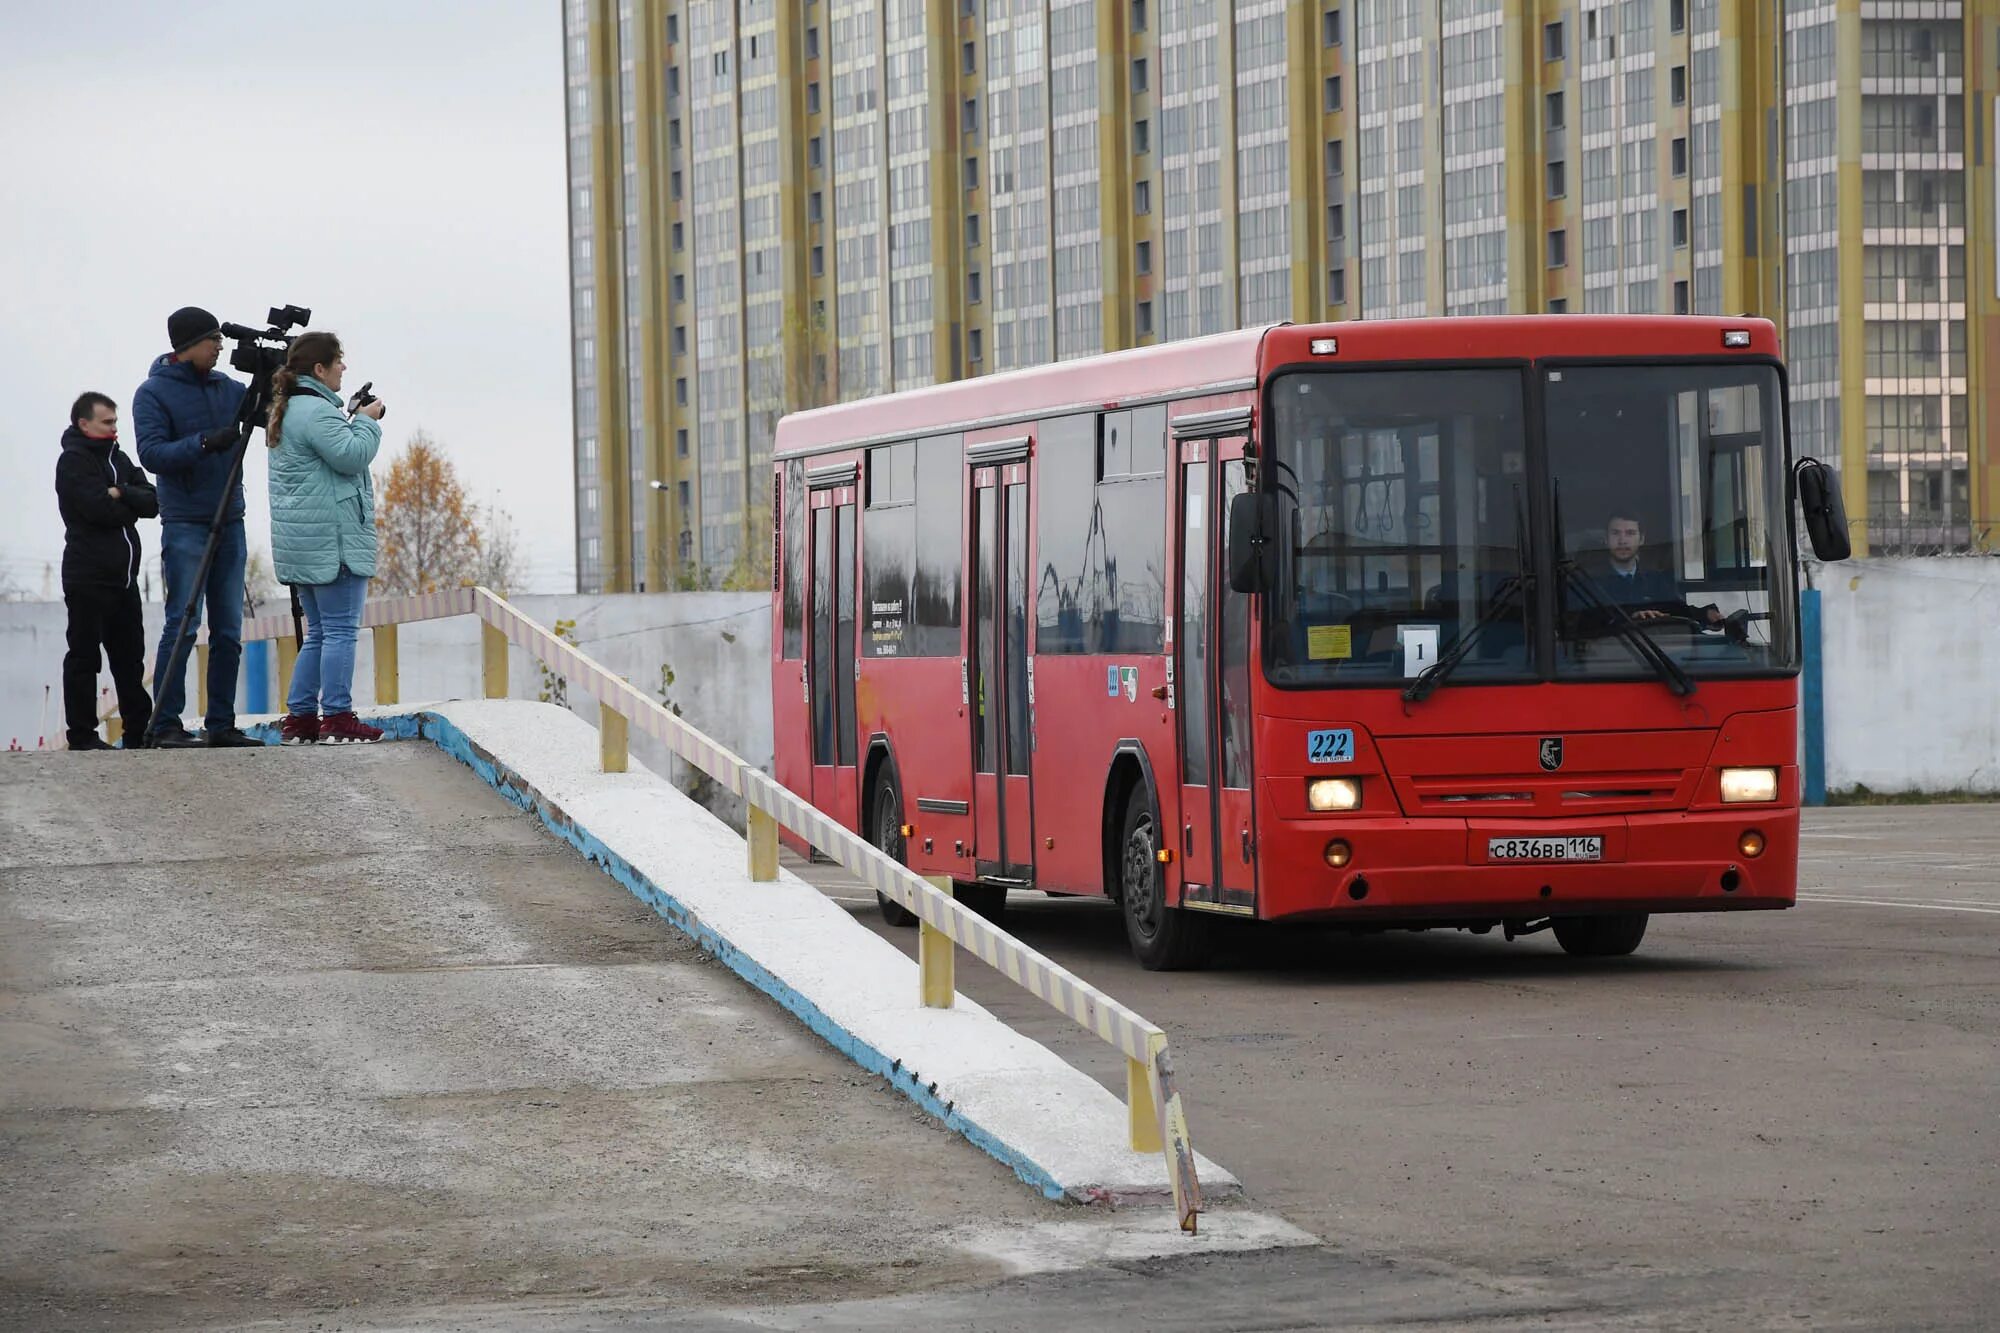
x: 103, y: 495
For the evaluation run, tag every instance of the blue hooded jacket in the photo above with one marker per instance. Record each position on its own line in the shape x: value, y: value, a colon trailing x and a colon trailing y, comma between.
x: 172, y: 410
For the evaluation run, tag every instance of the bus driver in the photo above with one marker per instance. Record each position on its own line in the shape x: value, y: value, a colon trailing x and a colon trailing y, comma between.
x: 1654, y: 593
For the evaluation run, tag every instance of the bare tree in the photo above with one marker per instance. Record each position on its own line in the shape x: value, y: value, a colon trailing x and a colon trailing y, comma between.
x: 499, y: 551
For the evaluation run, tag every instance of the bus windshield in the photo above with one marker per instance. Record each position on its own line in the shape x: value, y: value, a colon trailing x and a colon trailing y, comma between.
x: 1404, y: 494
x: 1668, y: 487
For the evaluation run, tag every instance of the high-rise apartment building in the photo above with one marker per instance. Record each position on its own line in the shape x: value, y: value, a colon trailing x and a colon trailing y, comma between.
x: 777, y: 203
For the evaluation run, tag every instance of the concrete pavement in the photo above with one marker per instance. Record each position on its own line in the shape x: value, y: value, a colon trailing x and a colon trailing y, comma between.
x: 1772, y: 1117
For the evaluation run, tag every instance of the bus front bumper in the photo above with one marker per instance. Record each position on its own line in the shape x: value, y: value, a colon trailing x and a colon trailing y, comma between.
x: 1441, y: 869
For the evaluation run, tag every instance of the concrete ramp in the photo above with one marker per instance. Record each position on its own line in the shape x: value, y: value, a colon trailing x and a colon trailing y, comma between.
x: 294, y: 1030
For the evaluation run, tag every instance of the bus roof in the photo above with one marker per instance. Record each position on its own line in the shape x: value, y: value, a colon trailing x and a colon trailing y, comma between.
x: 1228, y: 362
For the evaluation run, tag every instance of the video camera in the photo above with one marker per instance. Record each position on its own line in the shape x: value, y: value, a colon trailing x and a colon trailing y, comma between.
x: 252, y: 355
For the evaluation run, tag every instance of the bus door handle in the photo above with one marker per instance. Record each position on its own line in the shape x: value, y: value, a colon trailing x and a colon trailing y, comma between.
x: 805, y: 686
x: 1246, y: 844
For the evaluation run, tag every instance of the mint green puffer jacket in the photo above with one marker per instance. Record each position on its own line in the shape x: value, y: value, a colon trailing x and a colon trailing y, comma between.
x: 322, y: 503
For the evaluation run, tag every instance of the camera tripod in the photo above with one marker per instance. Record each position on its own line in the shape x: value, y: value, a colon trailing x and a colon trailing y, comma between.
x: 262, y: 361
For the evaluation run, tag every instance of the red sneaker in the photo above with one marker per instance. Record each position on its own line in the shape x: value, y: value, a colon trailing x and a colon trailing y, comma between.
x: 347, y: 729
x: 300, y: 729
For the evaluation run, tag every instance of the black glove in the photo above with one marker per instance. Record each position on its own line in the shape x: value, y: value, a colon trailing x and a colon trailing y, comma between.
x: 217, y: 440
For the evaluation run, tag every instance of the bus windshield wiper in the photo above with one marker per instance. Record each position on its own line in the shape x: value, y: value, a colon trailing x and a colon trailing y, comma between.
x: 1516, y: 585
x: 1440, y: 671
x: 1620, y: 621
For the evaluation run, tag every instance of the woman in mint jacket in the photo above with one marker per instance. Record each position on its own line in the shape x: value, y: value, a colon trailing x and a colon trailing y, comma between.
x: 322, y: 533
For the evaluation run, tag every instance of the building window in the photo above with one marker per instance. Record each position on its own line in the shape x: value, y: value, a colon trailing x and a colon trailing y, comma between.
x: 674, y: 133
x: 815, y: 154
x: 1138, y: 15
x: 971, y: 173
x: 815, y: 207
x: 680, y: 287
x: 673, y: 80
x: 1139, y: 75
x: 1333, y: 92
x: 1336, y: 157
x: 1142, y: 197
x: 681, y: 391
x: 675, y: 178
x: 1142, y: 257
x: 1677, y: 21
x: 1680, y: 156
x: 972, y: 292
x: 1558, y: 184
x: 1145, y: 318
x: 1555, y: 110
x: 1680, y: 228
x: 971, y: 229
x: 812, y: 98
x: 1142, y: 137
x: 975, y: 346
x: 818, y: 261
x: 1336, y: 221
x: 1681, y: 297
x: 1332, y: 24
x: 968, y: 119
x: 673, y: 29
x: 1558, y: 248
x: 681, y: 490
x: 1552, y: 40
x: 1677, y: 85
x: 680, y: 340
x: 968, y: 57
x: 1558, y: 305
x: 680, y: 236
x: 1336, y: 286
x: 812, y: 43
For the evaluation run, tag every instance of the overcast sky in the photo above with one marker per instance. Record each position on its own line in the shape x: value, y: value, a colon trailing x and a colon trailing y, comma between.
x: 397, y: 168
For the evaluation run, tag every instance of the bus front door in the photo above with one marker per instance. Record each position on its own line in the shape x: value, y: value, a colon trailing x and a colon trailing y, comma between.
x: 1000, y: 685
x: 830, y: 653
x: 1212, y: 687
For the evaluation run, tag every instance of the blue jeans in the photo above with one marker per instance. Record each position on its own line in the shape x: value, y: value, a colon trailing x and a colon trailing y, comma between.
x: 180, y: 556
x: 323, y: 677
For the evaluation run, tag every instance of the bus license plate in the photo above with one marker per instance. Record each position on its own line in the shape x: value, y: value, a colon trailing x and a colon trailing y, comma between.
x: 1545, y: 849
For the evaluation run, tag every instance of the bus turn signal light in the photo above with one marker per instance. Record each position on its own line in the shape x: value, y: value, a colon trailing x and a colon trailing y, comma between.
x: 1338, y: 853
x: 1745, y: 786
x: 1324, y: 794
x: 1751, y: 844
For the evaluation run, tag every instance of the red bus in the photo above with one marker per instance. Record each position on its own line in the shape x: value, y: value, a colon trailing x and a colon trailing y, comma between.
x: 1430, y: 623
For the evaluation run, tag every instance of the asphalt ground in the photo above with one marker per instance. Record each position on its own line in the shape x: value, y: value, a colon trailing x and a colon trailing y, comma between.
x: 1764, y: 1119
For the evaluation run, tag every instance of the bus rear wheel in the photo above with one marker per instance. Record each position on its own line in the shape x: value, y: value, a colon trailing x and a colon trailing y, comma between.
x: 1601, y: 936
x: 888, y: 808
x: 1163, y: 938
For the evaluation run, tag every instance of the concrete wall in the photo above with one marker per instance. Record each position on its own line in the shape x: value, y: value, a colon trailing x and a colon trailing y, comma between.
x: 1911, y: 661
x: 718, y: 646
x: 1911, y: 667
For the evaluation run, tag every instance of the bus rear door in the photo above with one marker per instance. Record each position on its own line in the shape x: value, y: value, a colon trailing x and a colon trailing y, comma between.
x: 831, y: 646
x: 1000, y: 685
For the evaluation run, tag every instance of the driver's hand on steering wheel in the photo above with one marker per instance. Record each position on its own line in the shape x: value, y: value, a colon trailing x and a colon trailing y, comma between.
x: 1649, y: 615
x: 1712, y: 615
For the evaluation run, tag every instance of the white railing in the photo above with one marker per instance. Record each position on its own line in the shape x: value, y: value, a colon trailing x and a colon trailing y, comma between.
x: 1157, y: 1122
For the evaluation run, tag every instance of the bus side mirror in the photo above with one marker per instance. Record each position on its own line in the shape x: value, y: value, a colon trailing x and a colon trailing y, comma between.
x: 1253, y: 548
x: 1824, y: 510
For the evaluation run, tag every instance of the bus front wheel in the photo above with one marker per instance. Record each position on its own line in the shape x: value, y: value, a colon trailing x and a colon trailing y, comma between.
x: 1601, y: 936
x: 1164, y: 939
x: 888, y: 808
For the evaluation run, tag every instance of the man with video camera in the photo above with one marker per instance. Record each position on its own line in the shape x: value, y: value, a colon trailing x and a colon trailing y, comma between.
x: 186, y: 419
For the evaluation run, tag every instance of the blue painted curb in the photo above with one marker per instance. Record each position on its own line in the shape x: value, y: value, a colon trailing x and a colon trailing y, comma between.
x: 519, y: 792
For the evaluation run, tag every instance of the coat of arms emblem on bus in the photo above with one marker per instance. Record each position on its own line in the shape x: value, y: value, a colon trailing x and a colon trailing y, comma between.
x: 1552, y: 753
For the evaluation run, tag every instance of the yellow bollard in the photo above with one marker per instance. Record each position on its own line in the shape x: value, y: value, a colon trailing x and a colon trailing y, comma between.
x: 201, y: 679
x: 613, y: 739
x: 762, y: 835
x: 288, y: 657
x: 937, y: 960
x: 388, y: 670
x: 493, y: 657
x: 1142, y: 1106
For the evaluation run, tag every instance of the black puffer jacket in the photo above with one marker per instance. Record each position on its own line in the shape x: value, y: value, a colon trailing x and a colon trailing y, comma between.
x: 101, y: 535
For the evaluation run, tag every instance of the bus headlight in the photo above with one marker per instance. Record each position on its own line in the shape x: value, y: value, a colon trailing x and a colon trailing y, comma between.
x: 1741, y: 786
x: 1323, y: 794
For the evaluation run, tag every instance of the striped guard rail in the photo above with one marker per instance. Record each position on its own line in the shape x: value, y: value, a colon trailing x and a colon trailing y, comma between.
x: 1143, y: 1044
